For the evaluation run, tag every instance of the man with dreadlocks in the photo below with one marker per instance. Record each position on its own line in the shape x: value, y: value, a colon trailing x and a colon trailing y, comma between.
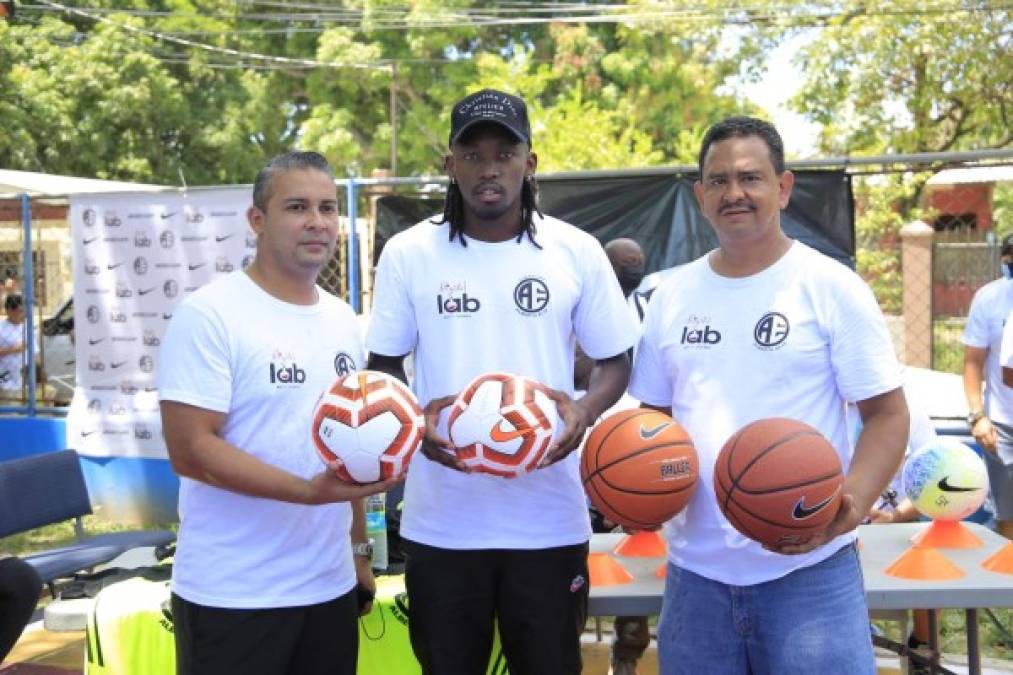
x: 494, y: 285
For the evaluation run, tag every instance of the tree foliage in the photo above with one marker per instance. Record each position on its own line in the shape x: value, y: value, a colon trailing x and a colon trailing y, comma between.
x: 133, y: 95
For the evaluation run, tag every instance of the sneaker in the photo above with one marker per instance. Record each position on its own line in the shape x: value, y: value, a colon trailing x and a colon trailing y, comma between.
x: 623, y: 667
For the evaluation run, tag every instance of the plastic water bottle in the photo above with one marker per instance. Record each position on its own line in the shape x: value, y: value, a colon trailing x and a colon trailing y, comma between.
x: 376, y: 529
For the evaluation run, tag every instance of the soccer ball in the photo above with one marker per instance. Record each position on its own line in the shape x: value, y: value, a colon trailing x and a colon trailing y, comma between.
x: 502, y: 424
x: 945, y: 480
x: 371, y: 422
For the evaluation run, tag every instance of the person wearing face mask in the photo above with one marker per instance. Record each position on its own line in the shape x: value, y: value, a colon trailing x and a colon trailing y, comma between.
x: 990, y: 415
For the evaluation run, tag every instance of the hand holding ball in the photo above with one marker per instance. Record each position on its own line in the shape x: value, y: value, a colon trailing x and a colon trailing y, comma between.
x: 778, y: 481
x: 372, y: 423
x: 502, y: 424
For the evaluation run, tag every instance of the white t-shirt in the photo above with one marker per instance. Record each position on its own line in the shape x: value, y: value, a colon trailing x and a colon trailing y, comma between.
x: 11, y: 364
x: 1006, y: 347
x: 796, y: 340
x: 989, y: 308
x: 510, y: 307
x: 233, y: 348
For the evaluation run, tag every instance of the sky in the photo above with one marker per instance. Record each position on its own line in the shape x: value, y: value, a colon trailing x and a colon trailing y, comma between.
x: 772, y: 93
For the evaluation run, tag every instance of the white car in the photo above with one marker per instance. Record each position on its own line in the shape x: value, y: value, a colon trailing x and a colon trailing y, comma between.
x: 57, y: 354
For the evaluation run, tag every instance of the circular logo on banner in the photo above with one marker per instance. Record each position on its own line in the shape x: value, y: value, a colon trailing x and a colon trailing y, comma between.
x: 531, y: 296
x: 771, y: 330
x: 344, y: 364
x: 88, y: 216
x: 167, y: 239
x: 146, y: 364
x: 93, y: 314
x: 141, y: 265
x: 170, y: 288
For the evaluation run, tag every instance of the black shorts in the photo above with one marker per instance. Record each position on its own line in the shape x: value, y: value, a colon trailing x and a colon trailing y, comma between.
x: 321, y: 639
x: 536, y: 598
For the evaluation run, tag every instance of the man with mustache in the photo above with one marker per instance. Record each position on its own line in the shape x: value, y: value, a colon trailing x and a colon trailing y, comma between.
x: 790, y: 333
x: 272, y: 552
x: 494, y: 285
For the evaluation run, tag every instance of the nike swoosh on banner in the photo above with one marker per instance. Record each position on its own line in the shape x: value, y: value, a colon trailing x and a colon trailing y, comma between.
x: 498, y: 434
x: 800, y: 511
x: 945, y: 486
x: 648, y: 434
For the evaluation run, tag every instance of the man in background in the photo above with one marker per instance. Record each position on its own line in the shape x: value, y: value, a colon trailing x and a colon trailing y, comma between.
x: 989, y: 402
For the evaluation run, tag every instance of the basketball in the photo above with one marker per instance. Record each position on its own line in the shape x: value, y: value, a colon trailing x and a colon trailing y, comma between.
x: 639, y: 468
x: 946, y: 480
x: 778, y: 481
x: 502, y: 424
x: 371, y: 422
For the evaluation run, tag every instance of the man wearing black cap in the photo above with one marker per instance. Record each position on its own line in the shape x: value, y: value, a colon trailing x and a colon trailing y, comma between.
x: 990, y: 415
x: 493, y: 285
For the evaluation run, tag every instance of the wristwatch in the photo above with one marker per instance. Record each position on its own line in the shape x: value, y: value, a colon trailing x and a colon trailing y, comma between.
x: 365, y: 550
x: 974, y: 416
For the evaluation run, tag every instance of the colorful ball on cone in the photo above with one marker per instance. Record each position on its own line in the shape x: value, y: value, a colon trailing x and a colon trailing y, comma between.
x: 946, y: 480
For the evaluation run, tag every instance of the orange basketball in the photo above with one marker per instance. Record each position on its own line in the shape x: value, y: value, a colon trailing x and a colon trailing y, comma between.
x: 639, y: 468
x: 778, y: 481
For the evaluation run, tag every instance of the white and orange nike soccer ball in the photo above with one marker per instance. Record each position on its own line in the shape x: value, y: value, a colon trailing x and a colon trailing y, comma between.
x: 371, y: 422
x: 946, y: 480
x: 502, y: 424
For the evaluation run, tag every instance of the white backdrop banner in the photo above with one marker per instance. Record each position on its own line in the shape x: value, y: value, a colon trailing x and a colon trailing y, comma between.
x: 136, y: 255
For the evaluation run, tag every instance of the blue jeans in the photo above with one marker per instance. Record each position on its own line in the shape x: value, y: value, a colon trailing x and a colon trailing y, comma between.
x: 814, y: 620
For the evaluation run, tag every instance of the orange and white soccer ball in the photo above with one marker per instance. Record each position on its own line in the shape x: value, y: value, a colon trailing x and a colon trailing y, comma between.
x: 371, y: 422
x: 502, y: 424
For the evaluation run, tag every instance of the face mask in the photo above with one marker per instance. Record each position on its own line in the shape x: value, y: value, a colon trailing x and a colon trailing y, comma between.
x: 630, y: 278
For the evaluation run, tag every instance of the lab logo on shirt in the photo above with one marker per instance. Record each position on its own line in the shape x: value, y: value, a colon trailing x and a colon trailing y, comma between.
x: 771, y: 331
x: 453, y: 300
x: 531, y: 296
x: 698, y: 333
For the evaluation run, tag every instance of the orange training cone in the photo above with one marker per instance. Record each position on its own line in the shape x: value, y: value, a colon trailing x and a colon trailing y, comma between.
x: 923, y: 563
x: 946, y: 534
x: 1001, y: 561
x: 605, y: 571
x: 641, y: 545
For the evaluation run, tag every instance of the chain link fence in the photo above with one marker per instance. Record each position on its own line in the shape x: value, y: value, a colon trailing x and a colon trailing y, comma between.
x: 927, y: 240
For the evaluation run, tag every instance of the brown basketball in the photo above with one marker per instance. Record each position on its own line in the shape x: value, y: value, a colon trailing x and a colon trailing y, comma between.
x: 778, y: 481
x: 639, y: 468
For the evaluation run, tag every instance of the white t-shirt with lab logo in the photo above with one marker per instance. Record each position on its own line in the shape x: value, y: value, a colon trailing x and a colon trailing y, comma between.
x: 990, y: 307
x: 509, y: 307
x: 796, y: 340
x: 233, y: 348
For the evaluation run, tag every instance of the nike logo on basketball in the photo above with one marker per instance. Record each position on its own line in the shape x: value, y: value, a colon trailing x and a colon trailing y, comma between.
x: 801, y: 512
x: 945, y: 486
x: 499, y: 435
x: 648, y: 434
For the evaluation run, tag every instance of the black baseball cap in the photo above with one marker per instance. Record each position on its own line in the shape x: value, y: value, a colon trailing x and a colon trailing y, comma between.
x: 1007, y: 245
x: 490, y: 105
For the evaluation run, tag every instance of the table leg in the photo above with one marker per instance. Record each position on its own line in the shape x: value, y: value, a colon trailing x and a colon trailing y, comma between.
x: 973, y: 656
x: 933, y: 637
